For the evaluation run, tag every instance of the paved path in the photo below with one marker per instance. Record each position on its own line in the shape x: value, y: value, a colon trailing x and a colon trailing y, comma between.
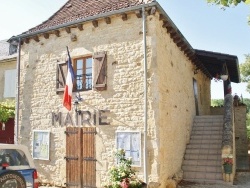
x: 242, y: 180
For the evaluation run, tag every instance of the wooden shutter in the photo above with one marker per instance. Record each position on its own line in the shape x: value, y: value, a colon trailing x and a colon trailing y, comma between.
x: 100, y: 71
x: 61, y: 76
x: 73, y: 157
x: 89, y: 158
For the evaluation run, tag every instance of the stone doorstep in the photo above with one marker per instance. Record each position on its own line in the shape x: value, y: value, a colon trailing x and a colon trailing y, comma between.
x: 202, y: 157
x: 205, y: 141
x: 203, y: 176
x: 204, y: 146
x: 203, y: 151
x: 206, y: 137
x: 202, y: 162
x: 210, y: 169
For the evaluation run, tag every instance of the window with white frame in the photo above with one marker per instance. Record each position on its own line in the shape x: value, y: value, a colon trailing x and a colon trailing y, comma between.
x: 131, y: 143
x: 10, y: 83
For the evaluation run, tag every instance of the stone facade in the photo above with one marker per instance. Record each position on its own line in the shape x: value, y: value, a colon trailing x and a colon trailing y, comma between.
x: 171, y: 105
x: 241, y: 141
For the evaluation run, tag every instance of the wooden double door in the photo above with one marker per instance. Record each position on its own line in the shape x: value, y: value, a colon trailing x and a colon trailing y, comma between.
x: 80, y: 157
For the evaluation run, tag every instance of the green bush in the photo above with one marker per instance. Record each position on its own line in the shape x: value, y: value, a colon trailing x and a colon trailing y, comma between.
x: 122, y: 175
x: 7, y: 110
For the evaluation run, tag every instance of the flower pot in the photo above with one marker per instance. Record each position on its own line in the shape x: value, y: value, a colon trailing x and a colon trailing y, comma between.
x: 228, y: 168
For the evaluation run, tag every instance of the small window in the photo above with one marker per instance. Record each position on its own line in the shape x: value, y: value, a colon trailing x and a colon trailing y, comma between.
x: 131, y: 143
x: 90, y: 72
x: 83, y: 73
x: 12, y: 49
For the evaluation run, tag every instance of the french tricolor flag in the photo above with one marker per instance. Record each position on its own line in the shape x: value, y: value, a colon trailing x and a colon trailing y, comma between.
x: 69, y: 84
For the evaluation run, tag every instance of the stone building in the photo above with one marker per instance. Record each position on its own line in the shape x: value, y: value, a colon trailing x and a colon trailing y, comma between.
x: 8, y: 59
x: 138, y: 86
x: 7, y: 70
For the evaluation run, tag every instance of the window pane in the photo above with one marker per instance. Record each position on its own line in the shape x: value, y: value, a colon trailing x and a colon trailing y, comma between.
x: 83, y: 69
x: 13, y: 157
x: 79, y: 72
x: 89, y: 72
x: 79, y: 64
x: 130, y: 142
x: 88, y: 62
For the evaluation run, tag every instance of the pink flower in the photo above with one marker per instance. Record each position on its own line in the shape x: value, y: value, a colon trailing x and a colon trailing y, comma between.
x: 125, y: 183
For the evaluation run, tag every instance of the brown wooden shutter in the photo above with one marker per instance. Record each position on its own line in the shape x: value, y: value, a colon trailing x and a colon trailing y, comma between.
x: 100, y: 71
x: 61, y: 76
x: 89, y: 157
x: 73, y: 157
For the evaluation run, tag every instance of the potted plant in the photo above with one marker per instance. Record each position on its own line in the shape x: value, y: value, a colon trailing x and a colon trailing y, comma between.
x: 228, y: 164
x: 122, y: 175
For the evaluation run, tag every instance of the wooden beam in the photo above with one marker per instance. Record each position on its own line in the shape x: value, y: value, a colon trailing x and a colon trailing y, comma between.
x: 108, y: 20
x: 165, y: 23
x: 138, y: 13
x: 57, y: 33
x: 152, y: 11
x: 68, y: 29
x: 124, y: 17
x: 161, y: 17
x: 184, y: 47
x: 36, y: 38
x: 172, y: 35
x: 95, y: 23
x: 177, y: 39
x: 80, y: 27
x: 27, y: 40
x: 188, y: 52
x: 191, y: 56
x: 170, y: 29
x: 180, y: 43
x: 46, y: 35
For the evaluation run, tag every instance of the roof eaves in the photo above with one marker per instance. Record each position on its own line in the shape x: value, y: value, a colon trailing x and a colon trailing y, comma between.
x: 191, y: 53
x: 75, y: 22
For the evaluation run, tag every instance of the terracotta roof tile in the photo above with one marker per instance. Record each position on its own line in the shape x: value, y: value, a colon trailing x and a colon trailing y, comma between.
x: 79, y: 9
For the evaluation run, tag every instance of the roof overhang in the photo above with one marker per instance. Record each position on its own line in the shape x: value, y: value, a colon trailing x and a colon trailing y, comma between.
x: 214, y: 61
x: 210, y: 63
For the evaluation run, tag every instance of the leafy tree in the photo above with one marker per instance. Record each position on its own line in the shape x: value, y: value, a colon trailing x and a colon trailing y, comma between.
x: 217, y: 102
x: 7, y: 110
x: 245, y: 71
x: 227, y: 3
x: 230, y: 3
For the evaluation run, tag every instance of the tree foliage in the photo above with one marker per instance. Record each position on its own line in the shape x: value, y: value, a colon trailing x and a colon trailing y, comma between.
x: 7, y: 110
x: 245, y: 71
x: 217, y: 102
x: 228, y: 3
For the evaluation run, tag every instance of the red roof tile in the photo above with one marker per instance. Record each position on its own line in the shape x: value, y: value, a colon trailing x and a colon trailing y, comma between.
x: 80, y: 9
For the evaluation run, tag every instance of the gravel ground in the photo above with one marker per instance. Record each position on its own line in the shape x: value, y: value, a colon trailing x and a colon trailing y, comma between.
x: 242, y: 180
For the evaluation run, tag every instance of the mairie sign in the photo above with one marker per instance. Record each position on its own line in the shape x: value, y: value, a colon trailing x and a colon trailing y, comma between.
x: 81, y: 118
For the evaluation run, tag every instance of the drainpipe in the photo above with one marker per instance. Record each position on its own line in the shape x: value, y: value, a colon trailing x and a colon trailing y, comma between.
x: 145, y: 95
x: 18, y: 91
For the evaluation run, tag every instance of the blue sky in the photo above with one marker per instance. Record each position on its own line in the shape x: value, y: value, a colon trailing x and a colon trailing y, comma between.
x: 206, y: 27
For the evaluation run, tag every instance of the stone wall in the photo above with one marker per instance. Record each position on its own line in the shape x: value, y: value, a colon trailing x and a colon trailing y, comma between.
x: 217, y: 110
x: 241, y: 141
x: 170, y: 95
